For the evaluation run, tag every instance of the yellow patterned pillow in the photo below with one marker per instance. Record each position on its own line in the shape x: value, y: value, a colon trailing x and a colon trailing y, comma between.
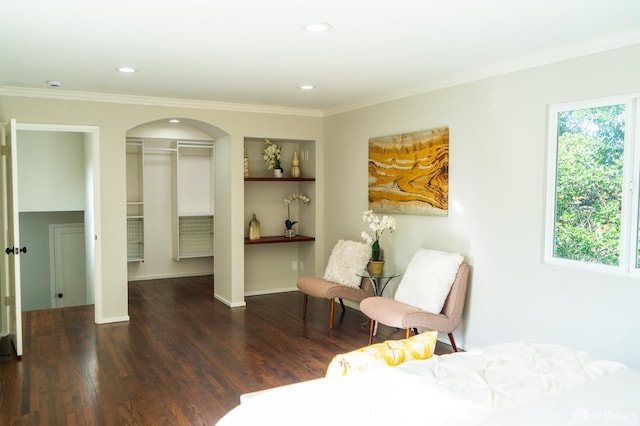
x: 388, y: 353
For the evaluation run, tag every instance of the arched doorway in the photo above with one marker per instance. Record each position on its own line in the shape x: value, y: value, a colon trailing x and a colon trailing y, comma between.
x: 171, y: 185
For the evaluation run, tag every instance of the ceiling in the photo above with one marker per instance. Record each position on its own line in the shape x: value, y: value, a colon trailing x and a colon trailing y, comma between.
x: 255, y: 52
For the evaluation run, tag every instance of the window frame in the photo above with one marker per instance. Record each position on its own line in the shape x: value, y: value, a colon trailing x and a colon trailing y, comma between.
x: 630, y: 210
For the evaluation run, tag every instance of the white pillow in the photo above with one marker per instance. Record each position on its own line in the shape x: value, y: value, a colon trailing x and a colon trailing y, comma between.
x: 346, y: 260
x: 428, y: 279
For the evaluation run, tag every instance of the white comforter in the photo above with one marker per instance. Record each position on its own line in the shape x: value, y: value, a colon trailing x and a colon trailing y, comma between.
x: 522, y: 383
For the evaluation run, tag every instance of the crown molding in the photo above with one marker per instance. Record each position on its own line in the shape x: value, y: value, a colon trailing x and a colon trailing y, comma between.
x: 71, y: 95
x: 611, y: 42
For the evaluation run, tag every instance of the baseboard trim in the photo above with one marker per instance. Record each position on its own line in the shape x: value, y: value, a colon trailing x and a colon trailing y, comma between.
x: 163, y: 276
x: 110, y: 320
x: 270, y: 291
x: 228, y: 303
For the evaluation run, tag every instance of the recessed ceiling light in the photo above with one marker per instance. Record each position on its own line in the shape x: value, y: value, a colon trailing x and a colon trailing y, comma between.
x: 126, y: 69
x: 174, y: 120
x: 317, y: 27
x: 54, y: 83
x: 306, y: 87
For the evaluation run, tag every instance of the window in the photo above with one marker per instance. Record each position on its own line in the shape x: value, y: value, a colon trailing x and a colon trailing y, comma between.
x: 592, y: 192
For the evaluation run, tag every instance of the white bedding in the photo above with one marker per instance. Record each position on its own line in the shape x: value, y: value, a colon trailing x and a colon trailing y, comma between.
x: 522, y: 383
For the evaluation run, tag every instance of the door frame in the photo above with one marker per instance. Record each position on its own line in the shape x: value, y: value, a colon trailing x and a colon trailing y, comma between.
x: 93, y: 243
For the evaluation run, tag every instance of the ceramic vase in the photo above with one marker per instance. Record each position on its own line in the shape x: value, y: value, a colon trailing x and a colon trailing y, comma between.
x: 277, y: 173
x: 254, y: 228
x: 295, y: 166
x: 246, y: 163
x: 376, y: 267
x: 289, y: 233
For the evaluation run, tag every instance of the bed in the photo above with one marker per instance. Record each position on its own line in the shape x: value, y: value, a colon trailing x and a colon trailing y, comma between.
x: 519, y: 383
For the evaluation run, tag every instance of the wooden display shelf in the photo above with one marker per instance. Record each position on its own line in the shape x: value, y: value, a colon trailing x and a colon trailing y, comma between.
x: 279, y: 239
x: 275, y: 179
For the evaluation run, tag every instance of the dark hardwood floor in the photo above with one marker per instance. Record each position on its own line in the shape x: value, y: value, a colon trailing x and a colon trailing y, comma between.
x: 183, y: 359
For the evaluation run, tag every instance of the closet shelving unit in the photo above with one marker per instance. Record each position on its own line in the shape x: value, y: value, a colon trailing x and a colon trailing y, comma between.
x: 194, y: 206
x: 192, y: 186
x: 135, y: 203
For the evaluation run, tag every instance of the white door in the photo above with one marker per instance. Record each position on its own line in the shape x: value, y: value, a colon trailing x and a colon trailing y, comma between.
x: 11, y: 245
x: 68, y: 277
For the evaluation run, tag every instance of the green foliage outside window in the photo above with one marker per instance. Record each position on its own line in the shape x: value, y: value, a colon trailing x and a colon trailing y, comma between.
x: 589, y: 184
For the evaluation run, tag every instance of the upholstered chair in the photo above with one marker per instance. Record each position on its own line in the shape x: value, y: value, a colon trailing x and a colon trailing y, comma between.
x: 323, y: 289
x: 340, y: 280
x: 400, y: 314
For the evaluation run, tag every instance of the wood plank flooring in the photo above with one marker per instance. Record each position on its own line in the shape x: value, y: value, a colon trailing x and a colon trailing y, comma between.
x: 183, y: 359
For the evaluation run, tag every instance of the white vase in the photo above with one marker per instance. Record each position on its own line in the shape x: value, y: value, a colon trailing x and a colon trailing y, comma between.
x: 277, y: 173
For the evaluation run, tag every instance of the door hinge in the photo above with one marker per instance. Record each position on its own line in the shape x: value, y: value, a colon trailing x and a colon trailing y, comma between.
x: 8, y: 300
x: 3, y: 150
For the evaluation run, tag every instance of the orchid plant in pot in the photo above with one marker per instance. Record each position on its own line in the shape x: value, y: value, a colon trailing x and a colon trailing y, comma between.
x: 378, y: 225
x: 289, y: 231
x: 272, y: 154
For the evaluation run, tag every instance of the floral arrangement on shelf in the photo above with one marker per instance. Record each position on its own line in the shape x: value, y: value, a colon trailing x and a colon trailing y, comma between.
x: 287, y: 202
x: 378, y: 226
x: 272, y: 154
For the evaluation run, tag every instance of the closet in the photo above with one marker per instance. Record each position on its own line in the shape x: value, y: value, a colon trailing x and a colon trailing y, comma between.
x: 170, y: 207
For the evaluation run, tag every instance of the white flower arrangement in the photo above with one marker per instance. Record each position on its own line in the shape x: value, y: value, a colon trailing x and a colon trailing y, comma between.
x: 287, y: 202
x: 272, y: 154
x: 378, y: 226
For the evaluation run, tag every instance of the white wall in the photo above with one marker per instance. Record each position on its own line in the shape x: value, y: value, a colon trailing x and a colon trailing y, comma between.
x: 51, y: 171
x: 496, y: 204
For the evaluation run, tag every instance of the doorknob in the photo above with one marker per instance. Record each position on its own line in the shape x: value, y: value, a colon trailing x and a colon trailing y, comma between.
x: 23, y: 249
x: 9, y: 250
x: 60, y: 295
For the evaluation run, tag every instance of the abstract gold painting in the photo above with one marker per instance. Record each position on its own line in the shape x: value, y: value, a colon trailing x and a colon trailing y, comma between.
x: 409, y: 173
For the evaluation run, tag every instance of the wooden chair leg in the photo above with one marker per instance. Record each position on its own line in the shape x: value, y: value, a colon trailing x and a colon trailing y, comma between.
x: 407, y: 333
x: 304, y: 306
x: 453, y: 342
x: 331, y: 311
x: 341, y: 304
x: 372, y: 326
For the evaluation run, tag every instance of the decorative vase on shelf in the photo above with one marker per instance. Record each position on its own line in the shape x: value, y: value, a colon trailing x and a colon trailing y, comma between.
x: 246, y: 163
x: 277, y: 173
x: 289, y: 232
x: 295, y: 166
x: 376, y: 267
x: 254, y: 228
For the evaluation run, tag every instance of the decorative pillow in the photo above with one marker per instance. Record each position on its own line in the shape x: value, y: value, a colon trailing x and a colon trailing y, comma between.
x: 346, y: 260
x: 428, y: 279
x: 385, y: 354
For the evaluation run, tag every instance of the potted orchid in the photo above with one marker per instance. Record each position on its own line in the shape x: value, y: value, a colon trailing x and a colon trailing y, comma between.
x: 378, y: 225
x: 272, y: 154
x: 289, y: 231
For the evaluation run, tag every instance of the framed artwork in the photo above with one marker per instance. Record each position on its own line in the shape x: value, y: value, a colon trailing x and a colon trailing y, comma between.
x: 409, y: 173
